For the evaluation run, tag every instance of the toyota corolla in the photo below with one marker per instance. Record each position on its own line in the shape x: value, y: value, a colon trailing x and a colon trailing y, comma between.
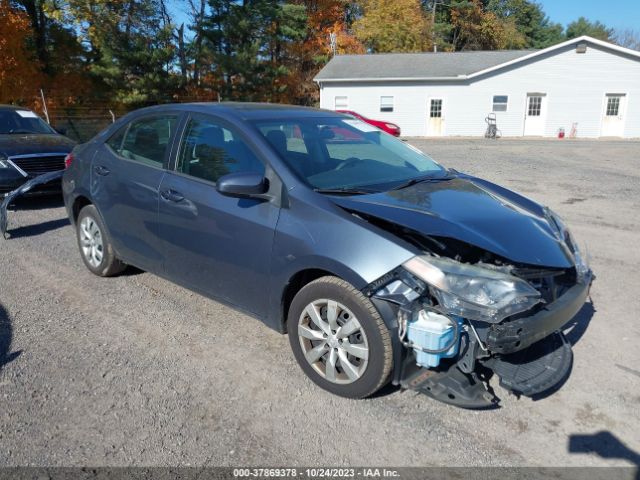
x: 380, y: 264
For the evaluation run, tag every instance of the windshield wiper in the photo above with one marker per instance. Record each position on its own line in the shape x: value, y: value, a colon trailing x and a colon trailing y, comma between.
x: 343, y: 191
x: 415, y: 181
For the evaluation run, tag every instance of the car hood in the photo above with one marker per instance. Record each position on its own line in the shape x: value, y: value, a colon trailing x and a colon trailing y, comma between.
x: 471, y: 210
x: 26, y: 144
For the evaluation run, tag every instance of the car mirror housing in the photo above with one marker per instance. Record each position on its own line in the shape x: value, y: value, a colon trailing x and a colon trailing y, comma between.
x: 243, y: 185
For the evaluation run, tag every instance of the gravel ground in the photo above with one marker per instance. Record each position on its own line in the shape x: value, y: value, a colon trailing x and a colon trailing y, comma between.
x: 136, y: 371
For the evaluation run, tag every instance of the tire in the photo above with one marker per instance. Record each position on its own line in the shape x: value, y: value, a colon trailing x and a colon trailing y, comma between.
x: 367, y: 351
x: 95, y: 245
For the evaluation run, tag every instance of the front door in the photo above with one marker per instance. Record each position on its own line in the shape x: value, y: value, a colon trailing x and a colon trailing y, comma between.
x: 535, y: 114
x: 613, y: 120
x: 214, y: 244
x: 435, y: 126
x: 125, y: 178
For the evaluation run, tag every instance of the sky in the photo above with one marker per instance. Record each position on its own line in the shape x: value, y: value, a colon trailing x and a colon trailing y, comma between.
x: 619, y: 14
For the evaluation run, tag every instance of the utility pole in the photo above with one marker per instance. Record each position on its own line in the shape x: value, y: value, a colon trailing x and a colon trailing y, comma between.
x: 433, y: 25
x: 44, y: 107
x: 333, y: 43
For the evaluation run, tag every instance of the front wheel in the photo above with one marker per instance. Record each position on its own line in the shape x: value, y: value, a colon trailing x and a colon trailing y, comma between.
x: 95, y: 244
x: 339, y: 339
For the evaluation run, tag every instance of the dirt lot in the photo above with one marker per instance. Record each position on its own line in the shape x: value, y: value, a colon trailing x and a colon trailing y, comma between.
x: 134, y: 370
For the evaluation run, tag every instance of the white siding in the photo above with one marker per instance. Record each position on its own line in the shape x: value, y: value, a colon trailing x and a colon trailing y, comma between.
x: 575, y: 86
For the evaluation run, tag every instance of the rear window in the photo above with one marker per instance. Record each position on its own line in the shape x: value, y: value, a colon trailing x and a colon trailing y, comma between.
x: 145, y: 140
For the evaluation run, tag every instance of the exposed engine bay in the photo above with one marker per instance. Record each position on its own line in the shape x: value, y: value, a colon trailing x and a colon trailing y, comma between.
x: 464, y: 315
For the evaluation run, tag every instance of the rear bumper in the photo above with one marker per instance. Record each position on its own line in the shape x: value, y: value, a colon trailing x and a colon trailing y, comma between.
x: 519, y: 334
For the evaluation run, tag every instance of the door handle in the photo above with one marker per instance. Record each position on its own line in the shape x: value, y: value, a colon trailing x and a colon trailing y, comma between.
x: 171, y: 196
x: 101, y: 170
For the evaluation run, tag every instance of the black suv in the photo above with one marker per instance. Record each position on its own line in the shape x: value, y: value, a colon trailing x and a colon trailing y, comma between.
x: 29, y: 147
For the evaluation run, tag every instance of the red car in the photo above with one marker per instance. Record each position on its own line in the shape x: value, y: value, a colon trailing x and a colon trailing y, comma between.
x: 390, y: 128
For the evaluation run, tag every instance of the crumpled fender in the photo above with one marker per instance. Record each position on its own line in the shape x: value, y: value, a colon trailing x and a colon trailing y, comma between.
x: 26, y: 187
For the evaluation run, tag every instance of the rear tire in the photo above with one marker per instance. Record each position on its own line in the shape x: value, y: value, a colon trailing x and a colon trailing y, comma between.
x: 95, y: 245
x: 339, y: 339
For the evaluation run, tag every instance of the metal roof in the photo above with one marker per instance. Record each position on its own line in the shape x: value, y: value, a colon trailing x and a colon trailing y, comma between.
x: 414, y: 65
x: 443, y: 65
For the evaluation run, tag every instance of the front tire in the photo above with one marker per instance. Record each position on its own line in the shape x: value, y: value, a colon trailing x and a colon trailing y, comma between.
x: 339, y: 339
x: 95, y: 245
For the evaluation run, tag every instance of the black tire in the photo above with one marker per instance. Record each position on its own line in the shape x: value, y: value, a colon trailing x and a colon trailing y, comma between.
x: 109, y: 264
x: 377, y: 371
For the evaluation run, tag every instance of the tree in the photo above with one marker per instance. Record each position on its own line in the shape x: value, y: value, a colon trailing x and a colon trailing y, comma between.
x: 530, y: 20
x: 129, y: 48
x: 582, y: 26
x: 20, y: 75
x: 473, y: 28
x: 627, y: 38
x: 398, y: 26
x: 247, y: 43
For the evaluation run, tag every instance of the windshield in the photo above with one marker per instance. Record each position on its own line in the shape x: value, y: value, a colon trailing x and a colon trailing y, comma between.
x: 334, y: 153
x: 22, y: 121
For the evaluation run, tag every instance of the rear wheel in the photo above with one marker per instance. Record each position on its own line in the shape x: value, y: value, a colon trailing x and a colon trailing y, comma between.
x: 339, y: 339
x: 95, y: 245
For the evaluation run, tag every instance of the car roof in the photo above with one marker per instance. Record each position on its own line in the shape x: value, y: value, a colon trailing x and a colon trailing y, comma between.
x: 243, y: 110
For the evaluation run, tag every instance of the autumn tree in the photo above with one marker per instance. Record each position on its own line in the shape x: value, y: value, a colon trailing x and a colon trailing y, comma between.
x: 467, y: 25
x: 20, y: 76
x: 324, y: 18
x: 398, y: 26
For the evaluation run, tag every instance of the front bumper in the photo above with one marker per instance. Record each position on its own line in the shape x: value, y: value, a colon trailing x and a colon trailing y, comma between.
x: 9, y: 183
x: 516, y: 335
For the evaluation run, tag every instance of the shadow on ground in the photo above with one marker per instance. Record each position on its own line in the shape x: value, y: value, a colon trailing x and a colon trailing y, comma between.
x: 6, y: 335
x: 38, y: 228
x: 606, y: 445
x: 579, y: 324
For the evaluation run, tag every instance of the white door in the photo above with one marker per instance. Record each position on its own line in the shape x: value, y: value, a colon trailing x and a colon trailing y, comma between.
x: 435, y: 122
x: 613, y: 120
x: 535, y: 114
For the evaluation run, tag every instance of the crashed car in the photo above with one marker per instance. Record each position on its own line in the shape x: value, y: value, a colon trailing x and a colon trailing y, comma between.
x: 29, y: 147
x: 380, y: 264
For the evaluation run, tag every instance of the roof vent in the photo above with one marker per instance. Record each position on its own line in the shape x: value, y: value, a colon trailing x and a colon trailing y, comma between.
x: 581, y: 47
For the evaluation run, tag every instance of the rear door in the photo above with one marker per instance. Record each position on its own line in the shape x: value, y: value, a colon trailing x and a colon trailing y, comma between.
x: 214, y: 244
x: 125, y: 181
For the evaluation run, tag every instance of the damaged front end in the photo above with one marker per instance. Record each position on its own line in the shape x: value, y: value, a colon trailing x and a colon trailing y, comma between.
x: 22, y: 190
x: 463, y: 318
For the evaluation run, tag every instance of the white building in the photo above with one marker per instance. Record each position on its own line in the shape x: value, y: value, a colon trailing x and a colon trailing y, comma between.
x: 585, y: 82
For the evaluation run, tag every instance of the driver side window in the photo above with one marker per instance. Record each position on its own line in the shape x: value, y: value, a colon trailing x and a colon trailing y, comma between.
x: 209, y: 151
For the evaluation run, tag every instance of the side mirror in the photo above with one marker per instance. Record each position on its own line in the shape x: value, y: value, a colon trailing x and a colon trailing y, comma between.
x: 243, y: 185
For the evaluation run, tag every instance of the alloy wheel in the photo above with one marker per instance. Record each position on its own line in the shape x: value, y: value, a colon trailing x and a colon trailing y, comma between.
x: 333, y: 341
x: 91, y: 241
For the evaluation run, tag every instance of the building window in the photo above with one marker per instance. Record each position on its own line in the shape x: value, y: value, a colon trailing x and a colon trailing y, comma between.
x: 341, y: 103
x: 535, y: 106
x: 386, y: 104
x: 436, y: 108
x: 500, y: 103
x: 613, y: 106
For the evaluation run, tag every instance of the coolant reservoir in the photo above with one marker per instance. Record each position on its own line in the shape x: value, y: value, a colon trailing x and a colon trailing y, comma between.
x: 432, y: 331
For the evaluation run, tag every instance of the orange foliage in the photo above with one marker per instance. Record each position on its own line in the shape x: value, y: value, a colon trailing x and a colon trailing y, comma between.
x: 20, y: 75
x: 323, y: 18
